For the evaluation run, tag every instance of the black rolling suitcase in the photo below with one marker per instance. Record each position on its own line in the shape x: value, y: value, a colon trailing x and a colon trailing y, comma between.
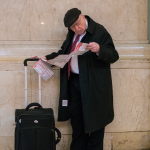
x: 35, y: 128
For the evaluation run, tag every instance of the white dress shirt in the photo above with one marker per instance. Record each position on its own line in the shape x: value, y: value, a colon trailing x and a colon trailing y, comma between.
x: 74, y: 61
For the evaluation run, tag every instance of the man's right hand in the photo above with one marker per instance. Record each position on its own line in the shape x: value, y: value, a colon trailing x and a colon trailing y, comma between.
x: 43, y: 58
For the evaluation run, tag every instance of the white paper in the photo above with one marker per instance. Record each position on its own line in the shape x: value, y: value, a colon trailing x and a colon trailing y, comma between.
x: 65, y: 103
x: 61, y: 60
x: 44, y: 69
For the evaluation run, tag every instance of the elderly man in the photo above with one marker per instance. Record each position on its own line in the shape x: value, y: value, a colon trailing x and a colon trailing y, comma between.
x: 86, y: 96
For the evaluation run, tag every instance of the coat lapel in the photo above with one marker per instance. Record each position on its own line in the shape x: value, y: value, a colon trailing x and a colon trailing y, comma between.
x: 69, y: 39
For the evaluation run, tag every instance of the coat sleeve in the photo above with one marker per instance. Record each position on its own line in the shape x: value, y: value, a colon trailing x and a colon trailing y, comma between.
x: 55, y: 54
x: 107, y: 51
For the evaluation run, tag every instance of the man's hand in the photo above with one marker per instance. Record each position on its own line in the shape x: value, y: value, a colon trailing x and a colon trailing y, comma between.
x: 94, y: 47
x: 43, y: 58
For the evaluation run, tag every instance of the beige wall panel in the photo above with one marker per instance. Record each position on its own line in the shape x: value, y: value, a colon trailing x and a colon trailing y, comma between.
x: 15, y: 20
x: 107, y: 141
x: 131, y: 141
x: 33, y: 20
x: 50, y: 90
x: 131, y: 82
x: 131, y: 114
x: 6, y: 143
x: 131, y: 100
x: 126, y: 52
x: 132, y: 64
x: 124, y: 19
x: 12, y: 97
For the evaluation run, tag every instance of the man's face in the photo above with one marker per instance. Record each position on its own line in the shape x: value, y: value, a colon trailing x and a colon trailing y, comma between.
x: 79, y: 26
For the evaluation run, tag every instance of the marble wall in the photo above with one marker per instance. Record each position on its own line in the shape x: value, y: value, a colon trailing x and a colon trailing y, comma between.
x: 35, y: 28
x: 42, y: 20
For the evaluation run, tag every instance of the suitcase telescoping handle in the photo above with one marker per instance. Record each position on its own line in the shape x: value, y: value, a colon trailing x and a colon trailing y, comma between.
x: 30, y: 59
x: 26, y: 89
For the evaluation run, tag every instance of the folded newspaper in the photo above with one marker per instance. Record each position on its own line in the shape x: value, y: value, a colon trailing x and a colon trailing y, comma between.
x: 44, y: 68
x: 61, y: 60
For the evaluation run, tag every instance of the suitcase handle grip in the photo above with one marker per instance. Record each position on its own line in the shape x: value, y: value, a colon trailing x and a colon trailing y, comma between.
x: 30, y: 59
x: 34, y: 104
x: 59, y: 136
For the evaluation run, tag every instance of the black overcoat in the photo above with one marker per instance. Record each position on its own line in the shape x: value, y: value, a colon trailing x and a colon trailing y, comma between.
x: 95, y: 78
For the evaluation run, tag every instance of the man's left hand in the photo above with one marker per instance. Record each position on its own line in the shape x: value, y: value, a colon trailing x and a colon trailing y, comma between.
x: 94, y: 47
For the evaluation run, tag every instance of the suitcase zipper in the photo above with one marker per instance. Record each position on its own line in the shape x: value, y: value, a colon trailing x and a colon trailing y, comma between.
x: 37, y: 128
x: 31, y: 115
